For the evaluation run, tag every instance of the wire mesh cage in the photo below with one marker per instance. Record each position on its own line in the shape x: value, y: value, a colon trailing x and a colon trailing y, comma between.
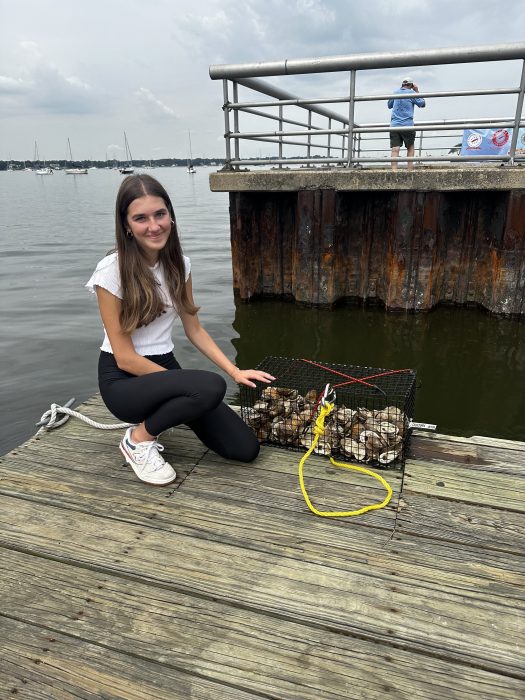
x: 371, y: 417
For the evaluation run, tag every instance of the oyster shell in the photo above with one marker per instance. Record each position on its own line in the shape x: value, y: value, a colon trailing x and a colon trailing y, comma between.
x: 388, y: 457
x: 278, y: 392
x: 353, y: 448
x: 311, y: 396
x: 283, y: 433
x: 391, y: 413
x: 253, y: 417
x: 372, y: 439
x: 323, y: 447
x: 344, y: 415
x: 388, y: 429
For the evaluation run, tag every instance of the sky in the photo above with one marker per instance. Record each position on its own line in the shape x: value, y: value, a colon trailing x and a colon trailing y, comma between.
x: 90, y: 70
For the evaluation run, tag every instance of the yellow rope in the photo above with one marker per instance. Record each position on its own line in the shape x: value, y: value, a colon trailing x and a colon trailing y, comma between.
x: 318, y: 431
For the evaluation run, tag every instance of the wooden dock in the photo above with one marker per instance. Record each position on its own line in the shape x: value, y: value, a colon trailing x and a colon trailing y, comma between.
x: 225, y: 587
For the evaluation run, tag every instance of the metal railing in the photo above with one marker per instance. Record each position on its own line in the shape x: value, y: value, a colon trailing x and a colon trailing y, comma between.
x: 341, y: 139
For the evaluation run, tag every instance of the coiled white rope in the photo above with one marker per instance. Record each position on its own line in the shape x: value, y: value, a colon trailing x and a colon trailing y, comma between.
x: 48, y: 421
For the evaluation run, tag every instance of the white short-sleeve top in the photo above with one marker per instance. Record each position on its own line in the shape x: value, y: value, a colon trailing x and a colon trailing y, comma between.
x: 155, y: 338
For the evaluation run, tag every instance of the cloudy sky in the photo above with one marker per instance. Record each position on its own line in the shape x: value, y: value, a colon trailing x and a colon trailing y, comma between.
x: 92, y: 69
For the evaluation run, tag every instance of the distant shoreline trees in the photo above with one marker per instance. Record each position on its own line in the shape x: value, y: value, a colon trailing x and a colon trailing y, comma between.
x: 107, y: 164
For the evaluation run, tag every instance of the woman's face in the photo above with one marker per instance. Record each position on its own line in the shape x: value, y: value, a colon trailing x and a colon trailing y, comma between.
x: 149, y: 221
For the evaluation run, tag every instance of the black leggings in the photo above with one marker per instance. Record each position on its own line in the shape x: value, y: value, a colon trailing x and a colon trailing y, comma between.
x: 166, y: 399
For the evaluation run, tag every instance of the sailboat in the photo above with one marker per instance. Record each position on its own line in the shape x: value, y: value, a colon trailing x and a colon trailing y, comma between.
x: 127, y: 169
x: 191, y: 169
x: 44, y: 170
x: 74, y: 171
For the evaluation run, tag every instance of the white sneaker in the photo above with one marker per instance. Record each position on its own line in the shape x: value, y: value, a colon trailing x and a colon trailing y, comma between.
x: 145, y: 460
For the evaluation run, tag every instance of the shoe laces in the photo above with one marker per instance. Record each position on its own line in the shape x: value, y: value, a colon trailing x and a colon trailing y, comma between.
x: 152, y: 457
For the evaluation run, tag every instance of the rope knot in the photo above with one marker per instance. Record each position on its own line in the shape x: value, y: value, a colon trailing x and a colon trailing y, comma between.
x: 319, y: 428
x: 50, y: 419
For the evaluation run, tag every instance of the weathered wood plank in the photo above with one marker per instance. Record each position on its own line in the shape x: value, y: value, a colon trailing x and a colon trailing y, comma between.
x: 37, y: 664
x: 465, y: 484
x: 423, y: 608
x: 420, y: 438
x: 227, y: 644
x: 462, y: 523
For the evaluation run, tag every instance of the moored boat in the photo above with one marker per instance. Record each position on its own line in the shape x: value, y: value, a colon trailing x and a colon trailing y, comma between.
x: 127, y: 169
x: 74, y: 171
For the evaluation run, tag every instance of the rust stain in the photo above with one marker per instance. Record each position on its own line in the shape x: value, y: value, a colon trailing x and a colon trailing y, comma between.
x: 495, y: 260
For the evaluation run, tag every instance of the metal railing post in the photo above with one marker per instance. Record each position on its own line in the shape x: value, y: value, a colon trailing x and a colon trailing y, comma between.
x: 309, y: 149
x: 227, y: 132
x: 236, y: 119
x: 329, y: 136
x: 517, y: 119
x: 280, y: 137
x: 420, y: 143
x: 351, y: 107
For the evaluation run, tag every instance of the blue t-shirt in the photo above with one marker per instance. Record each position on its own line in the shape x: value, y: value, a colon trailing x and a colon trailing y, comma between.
x: 403, y: 110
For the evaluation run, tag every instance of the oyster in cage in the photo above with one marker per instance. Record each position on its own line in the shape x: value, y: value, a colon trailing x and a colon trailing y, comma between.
x: 374, y: 443
x: 262, y: 433
x: 278, y: 392
x: 353, y: 448
x: 390, y: 413
x: 259, y: 422
x: 290, y: 406
x: 355, y: 430
x: 332, y: 435
x: 389, y: 456
x: 311, y: 396
x: 253, y: 417
x: 373, y: 424
x: 400, y: 425
x: 283, y: 433
x: 363, y: 414
x: 388, y: 430
x: 323, y: 447
x: 344, y: 416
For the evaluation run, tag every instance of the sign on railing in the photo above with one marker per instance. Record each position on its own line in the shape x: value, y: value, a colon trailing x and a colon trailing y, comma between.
x: 491, y: 142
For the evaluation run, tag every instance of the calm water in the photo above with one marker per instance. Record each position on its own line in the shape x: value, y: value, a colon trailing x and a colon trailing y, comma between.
x: 53, y: 230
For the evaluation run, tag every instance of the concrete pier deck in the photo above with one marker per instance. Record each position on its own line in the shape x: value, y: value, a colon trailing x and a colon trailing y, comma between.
x: 460, y: 178
x: 224, y: 586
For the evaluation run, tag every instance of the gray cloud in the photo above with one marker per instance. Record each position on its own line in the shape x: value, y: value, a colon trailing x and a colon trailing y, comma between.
x: 152, y: 104
x: 41, y: 86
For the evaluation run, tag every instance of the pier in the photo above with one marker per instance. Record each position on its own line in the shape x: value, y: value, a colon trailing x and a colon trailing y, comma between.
x: 323, y: 220
x: 408, y: 241
x: 224, y: 585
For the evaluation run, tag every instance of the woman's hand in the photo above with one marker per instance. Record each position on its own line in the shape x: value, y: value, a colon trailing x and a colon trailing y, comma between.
x: 245, y: 376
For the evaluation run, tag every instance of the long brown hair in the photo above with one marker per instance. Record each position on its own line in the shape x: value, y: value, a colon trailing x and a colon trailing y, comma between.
x: 141, y: 301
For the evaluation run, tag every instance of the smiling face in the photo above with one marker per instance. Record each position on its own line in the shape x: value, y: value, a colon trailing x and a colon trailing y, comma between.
x: 149, y: 221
